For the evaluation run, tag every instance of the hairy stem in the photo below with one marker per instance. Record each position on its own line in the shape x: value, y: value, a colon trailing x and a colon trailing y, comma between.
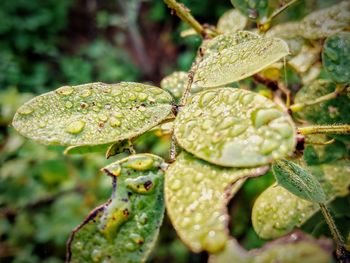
x: 185, y: 15
x: 320, y: 129
x: 341, y: 253
x: 299, y: 106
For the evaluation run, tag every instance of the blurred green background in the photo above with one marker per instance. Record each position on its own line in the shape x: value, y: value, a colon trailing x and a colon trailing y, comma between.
x: 45, y: 44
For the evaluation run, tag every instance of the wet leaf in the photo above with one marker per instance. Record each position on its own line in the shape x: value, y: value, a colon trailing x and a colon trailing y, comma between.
x: 175, y: 83
x: 298, y: 181
x: 235, y: 60
x: 297, y: 247
x: 276, y: 211
x: 231, y: 21
x: 328, y: 112
x: 92, y: 114
x: 196, y: 195
x: 326, y: 22
x: 336, y: 56
x: 126, y: 227
x: 235, y: 128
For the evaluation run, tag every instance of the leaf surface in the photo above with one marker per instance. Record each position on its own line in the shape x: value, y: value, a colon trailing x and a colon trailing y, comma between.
x: 235, y: 62
x: 276, y: 211
x: 298, y: 181
x: 126, y: 227
x: 92, y: 114
x: 336, y: 57
x: 326, y: 22
x: 235, y: 128
x: 196, y: 195
x: 296, y: 247
x: 231, y: 21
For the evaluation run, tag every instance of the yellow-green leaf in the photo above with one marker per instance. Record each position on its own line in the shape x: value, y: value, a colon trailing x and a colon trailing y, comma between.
x: 231, y: 21
x: 126, y: 227
x: 326, y: 22
x: 296, y: 247
x: 276, y: 212
x: 235, y: 128
x: 92, y: 114
x: 196, y: 195
x: 235, y: 62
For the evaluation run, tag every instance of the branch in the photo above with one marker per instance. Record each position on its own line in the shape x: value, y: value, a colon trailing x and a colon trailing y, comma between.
x: 320, y: 129
x: 299, y: 106
x: 185, y: 15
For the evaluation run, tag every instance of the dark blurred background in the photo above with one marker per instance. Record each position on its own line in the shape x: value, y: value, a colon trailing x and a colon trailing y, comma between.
x: 45, y: 44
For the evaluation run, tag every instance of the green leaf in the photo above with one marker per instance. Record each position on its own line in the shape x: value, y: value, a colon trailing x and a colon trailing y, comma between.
x: 297, y: 247
x: 276, y: 211
x: 336, y: 57
x: 92, y: 114
x: 298, y: 181
x: 235, y: 128
x: 231, y: 21
x: 234, y: 62
x: 326, y: 22
x: 196, y: 195
x: 175, y: 83
x: 329, y: 112
x: 126, y: 227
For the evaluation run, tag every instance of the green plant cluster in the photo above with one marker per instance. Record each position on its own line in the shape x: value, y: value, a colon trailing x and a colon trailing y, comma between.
x: 232, y: 116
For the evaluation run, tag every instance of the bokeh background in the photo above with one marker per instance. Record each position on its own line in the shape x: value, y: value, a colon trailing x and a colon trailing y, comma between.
x: 45, y: 44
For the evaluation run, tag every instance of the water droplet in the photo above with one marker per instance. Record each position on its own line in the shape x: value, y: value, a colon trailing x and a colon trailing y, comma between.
x: 42, y: 124
x: 142, y: 96
x: 75, y: 127
x: 85, y: 93
x: 141, y: 184
x: 176, y: 185
x: 143, y: 219
x: 102, y: 117
x: 25, y: 110
x: 79, y: 245
x: 130, y: 246
x: 268, y: 146
x: 138, y: 239
x: 264, y: 116
x: 238, y: 129
x: 132, y: 96
x: 95, y: 108
x: 228, y: 122
x: 116, y: 92
x: 68, y: 104
x: 96, y: 255
x: 108, y: 106
x: 65, y: 90
x: 114, y: 122
x: 140, y: 163
x: 215, y: 241
x: 206, y: 98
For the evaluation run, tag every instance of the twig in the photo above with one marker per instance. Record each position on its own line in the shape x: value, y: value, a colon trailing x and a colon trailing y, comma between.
x: 341, y: 253
x: 299, y: 106
x: 185, y: 15
x: 320, y: 129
